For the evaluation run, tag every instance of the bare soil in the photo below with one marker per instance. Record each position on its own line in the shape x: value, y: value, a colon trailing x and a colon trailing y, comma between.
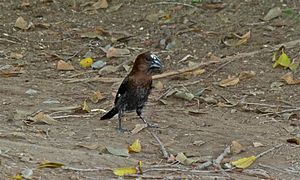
x: 198, y: 31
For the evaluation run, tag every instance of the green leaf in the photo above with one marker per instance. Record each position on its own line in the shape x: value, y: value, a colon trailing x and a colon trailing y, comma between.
x: 283, y: 60
x: 293, y: 66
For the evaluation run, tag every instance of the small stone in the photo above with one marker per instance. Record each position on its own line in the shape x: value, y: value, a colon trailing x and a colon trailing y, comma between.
x: 31, y: 92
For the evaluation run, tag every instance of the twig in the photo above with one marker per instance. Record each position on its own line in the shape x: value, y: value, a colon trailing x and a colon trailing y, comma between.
x: 266, y: 105
x: 184, y: 70
x: 204, y: 165
x: 176, y: 3
x: 221, y: 156
x: 220, y: 67
x: 162, y: 147
x: 269, y: 150
x: 86, y: 170
x: 72, y: 116
x: 289, y: 110
x: 10, y: 41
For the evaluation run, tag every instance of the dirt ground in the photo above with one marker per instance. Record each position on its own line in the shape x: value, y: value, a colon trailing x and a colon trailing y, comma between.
x: 202, y: 127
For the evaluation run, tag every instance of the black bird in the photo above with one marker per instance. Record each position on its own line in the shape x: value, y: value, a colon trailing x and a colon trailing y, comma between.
x: 134, y: 91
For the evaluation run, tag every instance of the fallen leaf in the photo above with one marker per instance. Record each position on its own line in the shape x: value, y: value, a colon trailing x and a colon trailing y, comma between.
x: 135, y: 146
x: 25, y: 3
x: 89, y: 146
x: 114, y: 8
x: 64, y: 66
x: 257, y: 144
x: 158, y: 85
x: 117, y: 52
x: 107, y: 70
x: 118, y: 151
x: 273, y: 13
x: 100, y: 4
x: 181, y: 158
x: 43, y: 118
x: 125, y: 171
x: 289, y: 79
x: 294, y: 140
x: 244, y: 162
x: 236, y: 147
x: 21, y: 23
x: 184, y: 95
x: 138, y: 128
x: 16, y: 55
x: 96, y: 96
x: 243, y: 39
x: 98, y: 64
x: 17, y: 177
x: 86, y: 62
x: 50, y: 165
x: 229, y: 82
x: 246, y: 75
x: 85, y: 107
x: 26, y: 173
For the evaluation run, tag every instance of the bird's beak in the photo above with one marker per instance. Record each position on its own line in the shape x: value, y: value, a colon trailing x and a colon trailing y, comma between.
x: 156, y: 64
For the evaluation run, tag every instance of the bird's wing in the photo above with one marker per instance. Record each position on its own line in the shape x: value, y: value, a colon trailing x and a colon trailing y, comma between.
x: 122, y: 89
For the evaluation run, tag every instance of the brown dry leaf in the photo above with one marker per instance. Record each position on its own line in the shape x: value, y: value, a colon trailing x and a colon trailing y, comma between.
x: 21, y: 23
x: 96, y: 96
x: 138, y: 128
x: 294, y: 140
x: 117, y: 52
x: 171, y: 159
x: 16, y: 55
x: 243, y: 39
x: 229, y: 82
x: 236, y: 147
x: 246, y: 75
x: 257, y: 144
x: 101, y: 4
x: 289, y: 79
x: 194, y: 73
x: 64, y: 66
x: 213, y: 57
x: 25, y: 3
x: 43, y: 118
x: 89, y: 146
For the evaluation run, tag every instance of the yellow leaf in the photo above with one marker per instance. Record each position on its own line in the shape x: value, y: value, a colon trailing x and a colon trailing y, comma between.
x: 85, y: 107
x: 283, y: 60
x: 135, y: 146
x: 244, y: 162
x: 50, y: 165
x: 17, y: 177
x: 124, y: 171
x: 86, y: 62
x: 140, y: 167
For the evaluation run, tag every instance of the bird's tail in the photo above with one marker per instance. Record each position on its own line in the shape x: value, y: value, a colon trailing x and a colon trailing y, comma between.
x: 110, y: 114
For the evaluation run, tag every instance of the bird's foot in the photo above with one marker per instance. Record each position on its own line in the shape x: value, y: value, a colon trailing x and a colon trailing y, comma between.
x: 150, y: 125
x: 122, y: 130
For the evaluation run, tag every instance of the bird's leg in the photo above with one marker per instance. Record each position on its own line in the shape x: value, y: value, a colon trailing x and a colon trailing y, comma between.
x: 139, y: 113
x: 120, y: 129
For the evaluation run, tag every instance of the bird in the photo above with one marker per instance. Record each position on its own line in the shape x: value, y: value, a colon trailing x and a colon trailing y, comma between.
x: 135, y: 88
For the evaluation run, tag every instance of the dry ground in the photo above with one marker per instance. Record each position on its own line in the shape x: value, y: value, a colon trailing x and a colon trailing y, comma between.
x: 198, y: 31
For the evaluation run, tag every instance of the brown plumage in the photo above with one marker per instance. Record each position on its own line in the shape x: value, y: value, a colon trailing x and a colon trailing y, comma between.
x: 134, y: 90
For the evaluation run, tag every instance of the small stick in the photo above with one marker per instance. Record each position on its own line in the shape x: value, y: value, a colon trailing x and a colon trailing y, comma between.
x: 86, y: 170
x: 175, y: 3
x: 162, y: 147
x: 269, y: 150
x: 72, y: 116
x: 219, y: 68
x: 221, y: 156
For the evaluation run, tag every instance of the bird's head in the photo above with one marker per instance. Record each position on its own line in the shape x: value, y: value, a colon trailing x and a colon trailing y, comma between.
x: 147, y: 62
